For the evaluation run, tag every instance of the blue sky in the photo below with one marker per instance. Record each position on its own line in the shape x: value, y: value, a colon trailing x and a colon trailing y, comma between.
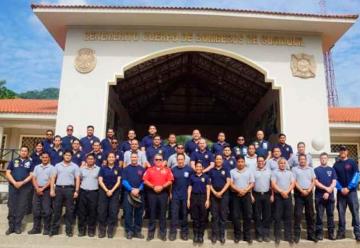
x: 30, y: 58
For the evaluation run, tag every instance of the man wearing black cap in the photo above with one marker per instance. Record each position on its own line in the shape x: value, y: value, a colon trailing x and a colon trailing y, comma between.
x: 347, y: 172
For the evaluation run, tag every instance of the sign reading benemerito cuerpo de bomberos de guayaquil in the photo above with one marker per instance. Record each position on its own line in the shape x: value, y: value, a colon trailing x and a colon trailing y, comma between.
x: 242, y: 37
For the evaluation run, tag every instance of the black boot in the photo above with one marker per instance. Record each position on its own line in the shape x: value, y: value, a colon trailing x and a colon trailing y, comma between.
x: 110, y: 232
x: 102, y: 232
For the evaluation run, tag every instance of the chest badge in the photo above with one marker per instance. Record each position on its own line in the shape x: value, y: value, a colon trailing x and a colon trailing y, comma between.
x: 203, y: 180
x: 78, y: 155
x: 223, y: 173
x: 91, y: 141
x: 60, y: 153
x: 206, y: 156
x: 186, y: 174
x: 115, y: 172
x: 99, y: 156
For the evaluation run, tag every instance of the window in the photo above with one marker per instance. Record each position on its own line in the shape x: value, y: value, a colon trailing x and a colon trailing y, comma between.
x: 30, y: 141
x: 353, y: 149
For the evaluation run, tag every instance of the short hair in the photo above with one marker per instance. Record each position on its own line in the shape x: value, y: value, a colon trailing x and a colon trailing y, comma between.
x: 221, y: 132
x: 70, y: 126
x: 172, y: 134
x: 76, y: 139
x: 324, y: 154
x: 134, y: 153
x: 68, y: 151
x: 227, y: 146
x: 260, y: 156
x: 302, y: 155
x: 39, y: 143
x: 180, y: 154
x: 275, y: 147
x: 135, y: 140
x: 49, y: 130
x: 96, y: 142
x: 158, y: 155
x: 217, y: 155
x: 45, y: 153
x: 281, y: 135
x: 300, y: 143
x: 238, y: 157
x: 251, y: 145
x: 24, y: 146
x: 131, y: 130
x: 107, y: 156
x: 90, y: 126
x: 57, y: 136
x: 198, y: 162
x: 90, y: 155
x: 156, y: 135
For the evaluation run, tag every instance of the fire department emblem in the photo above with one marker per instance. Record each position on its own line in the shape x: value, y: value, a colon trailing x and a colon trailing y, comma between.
x: 85, y: 61
x: 303, y: 65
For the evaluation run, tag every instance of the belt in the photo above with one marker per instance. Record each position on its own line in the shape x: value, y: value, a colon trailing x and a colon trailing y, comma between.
x: 193, y: 193
x: 262, y: 193
x: 65, y: 186
x: 89, y: 190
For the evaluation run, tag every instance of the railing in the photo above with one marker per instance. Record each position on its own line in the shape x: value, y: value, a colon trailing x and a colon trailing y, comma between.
x: 6, y: 155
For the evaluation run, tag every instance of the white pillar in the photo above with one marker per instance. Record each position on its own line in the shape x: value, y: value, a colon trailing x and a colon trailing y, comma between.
x: 1, y: 135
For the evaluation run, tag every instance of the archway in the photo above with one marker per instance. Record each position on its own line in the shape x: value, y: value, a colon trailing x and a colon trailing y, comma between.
x: 194, y: 89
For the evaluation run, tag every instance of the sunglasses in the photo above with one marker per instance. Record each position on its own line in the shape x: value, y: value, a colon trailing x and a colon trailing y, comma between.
x: 113, y: 142
x: 158, y: 159
x: 180, y: 147
x: 68, y: 129
x: 240, y: 139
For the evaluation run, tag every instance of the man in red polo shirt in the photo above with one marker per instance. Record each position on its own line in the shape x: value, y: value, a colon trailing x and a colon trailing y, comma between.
x: 158, y: 178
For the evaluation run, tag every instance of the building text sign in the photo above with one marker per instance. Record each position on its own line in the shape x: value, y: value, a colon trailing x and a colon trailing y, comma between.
x: 242, y: 38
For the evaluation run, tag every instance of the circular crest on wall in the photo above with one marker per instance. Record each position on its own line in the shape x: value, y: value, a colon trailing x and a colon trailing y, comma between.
x: 85, y: 61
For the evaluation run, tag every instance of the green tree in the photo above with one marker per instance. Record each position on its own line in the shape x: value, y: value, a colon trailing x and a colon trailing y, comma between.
x: 48, y: 93
x: 5, y: 93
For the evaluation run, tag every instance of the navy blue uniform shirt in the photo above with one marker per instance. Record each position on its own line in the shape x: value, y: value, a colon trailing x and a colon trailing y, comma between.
x: 218, y: 177
x: 99, y: 158
x: 217, y: 148
x: 147, y: 141
x: 345, y: 171
x: 151, y: 151
x: 48, y: 144
x: 56, y: 156
x: 206, y: 157
x: 106, y: 145
x: 181, y: 182
x: 20, y: 168
x: 87, y: 142
x: 119, y: 156
x: 286, y: 150
x: 110, y: 175
x: 190, y: 147
x: 78, y: 157
x: 66, y: 142
x: 169, y: 150
x: 199, y: 183
x: 125, y: 146
x: 229, y: 163
x: 262, y: 148
x: 325, y: 175
x: 35, y: 158
x: 133, y: 174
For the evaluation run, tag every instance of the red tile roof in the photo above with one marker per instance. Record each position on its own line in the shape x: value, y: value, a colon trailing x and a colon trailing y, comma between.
x: 28, y: 106
x: 278, y: 13
x: 338, y: 114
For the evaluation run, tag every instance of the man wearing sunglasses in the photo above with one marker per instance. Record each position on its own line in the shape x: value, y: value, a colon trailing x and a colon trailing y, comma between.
x: 106, y: 143
x: 48, y: 142
x: 240, y: 148
x: 67, y: 140
x: 158, y: 180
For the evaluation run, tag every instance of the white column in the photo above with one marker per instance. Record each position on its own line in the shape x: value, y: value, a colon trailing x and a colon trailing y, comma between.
x: 1, y: 135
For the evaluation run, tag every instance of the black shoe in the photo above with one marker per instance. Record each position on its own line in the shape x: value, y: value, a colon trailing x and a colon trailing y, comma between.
x: 110, y: 232
x: 101, y: 234
x: 357, y: 238
x: 259, y: 239
x: 340, y: 236
x: 313, y: 238
x: 81, y: 233
x: 69, y: 233
x: 162, y: 237
x: 277, y: 241
x: 213, y: 239
x: 297, y: 239
x: 331, y: 236
x: 201, y: 239
x: 172, y: 236
x: 184, y: 236
x: 236, y: 240
x: 249, y: 241
x: 9, y: 231
x: 150, y: 236
x: 34, y: 231
x: 46, y: 232
x: 91, y: 233
x: 53, y: 233
x: 222, y: 240
x: 17, y: 231
x: 129, y: 235
x: 319, y: 236
x: 138, y: 235
x: 266, y: 239
x: 195, y: 238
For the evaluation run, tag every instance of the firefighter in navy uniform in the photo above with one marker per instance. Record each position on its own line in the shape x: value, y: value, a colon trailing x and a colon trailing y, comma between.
x: 69, y: 138
x: 106, y: 143
x: 100, y: 158
x: 203, y: 155
x: 78, y: 156
x: 36, y: 154
x: 48, y: 142
x: 240, y: 148
x: 126, y: 144
x: 155, y: 148
x: 109, y: 196
x: 198, y: 201
x: 220, y: 182
x: 56, y: 152
x: 87, y: 141
x: 263, y: 147
x: 192, y: 145
x: 182, y: 173
x: 19, y: 175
